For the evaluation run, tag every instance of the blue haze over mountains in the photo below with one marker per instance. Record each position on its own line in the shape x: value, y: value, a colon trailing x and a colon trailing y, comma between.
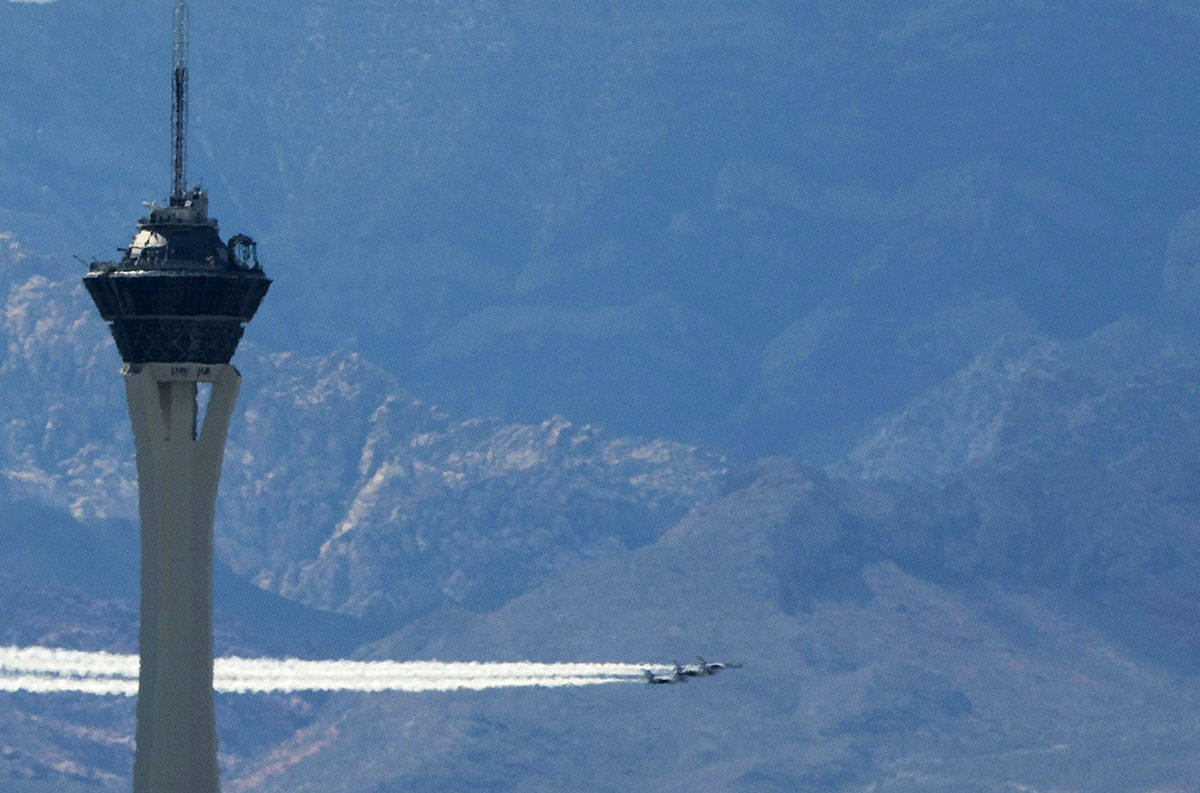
x: 665, y: 217
x: 856, y: 341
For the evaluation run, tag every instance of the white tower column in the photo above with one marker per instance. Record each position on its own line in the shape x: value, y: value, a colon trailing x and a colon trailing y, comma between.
x: 179, y: 467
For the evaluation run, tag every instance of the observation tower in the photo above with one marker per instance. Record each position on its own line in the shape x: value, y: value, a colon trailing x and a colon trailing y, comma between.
x: 176, y: 303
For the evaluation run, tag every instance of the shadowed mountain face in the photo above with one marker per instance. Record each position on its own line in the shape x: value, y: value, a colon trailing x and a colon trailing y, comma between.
x: 752, y: 224
x: 857, y: 673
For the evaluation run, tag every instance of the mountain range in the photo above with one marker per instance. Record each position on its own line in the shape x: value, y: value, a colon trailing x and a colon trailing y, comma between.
x: 856, y: 343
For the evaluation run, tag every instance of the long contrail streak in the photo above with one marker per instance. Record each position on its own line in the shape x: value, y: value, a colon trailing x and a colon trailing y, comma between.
x: 47, y: 670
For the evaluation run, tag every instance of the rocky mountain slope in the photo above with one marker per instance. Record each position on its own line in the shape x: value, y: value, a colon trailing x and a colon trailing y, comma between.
x: 996, y: 588
x: 342, y: 490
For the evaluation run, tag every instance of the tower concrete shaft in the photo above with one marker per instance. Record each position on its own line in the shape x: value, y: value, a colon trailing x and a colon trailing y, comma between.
x: 179, y: 467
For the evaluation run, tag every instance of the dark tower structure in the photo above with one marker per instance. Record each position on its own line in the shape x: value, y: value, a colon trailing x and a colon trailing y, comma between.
x: 176, y: 302
x: 179, y: 293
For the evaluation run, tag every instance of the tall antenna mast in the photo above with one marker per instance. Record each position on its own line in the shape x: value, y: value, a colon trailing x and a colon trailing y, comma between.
x: 179, y: 112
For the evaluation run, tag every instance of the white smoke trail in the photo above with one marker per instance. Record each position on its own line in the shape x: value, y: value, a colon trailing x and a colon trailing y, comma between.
x: 48, y: 670
x: 39, y: 684
x: 70, y: 663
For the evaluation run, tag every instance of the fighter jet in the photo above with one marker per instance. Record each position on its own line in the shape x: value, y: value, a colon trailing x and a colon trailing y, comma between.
x: 704, y: 668
x: 677, y: 676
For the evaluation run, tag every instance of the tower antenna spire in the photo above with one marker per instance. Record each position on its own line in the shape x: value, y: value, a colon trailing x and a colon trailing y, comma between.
x: 179, y: 109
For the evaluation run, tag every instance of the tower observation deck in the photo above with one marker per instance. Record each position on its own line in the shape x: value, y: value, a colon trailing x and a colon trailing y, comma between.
x: 179, y: 293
